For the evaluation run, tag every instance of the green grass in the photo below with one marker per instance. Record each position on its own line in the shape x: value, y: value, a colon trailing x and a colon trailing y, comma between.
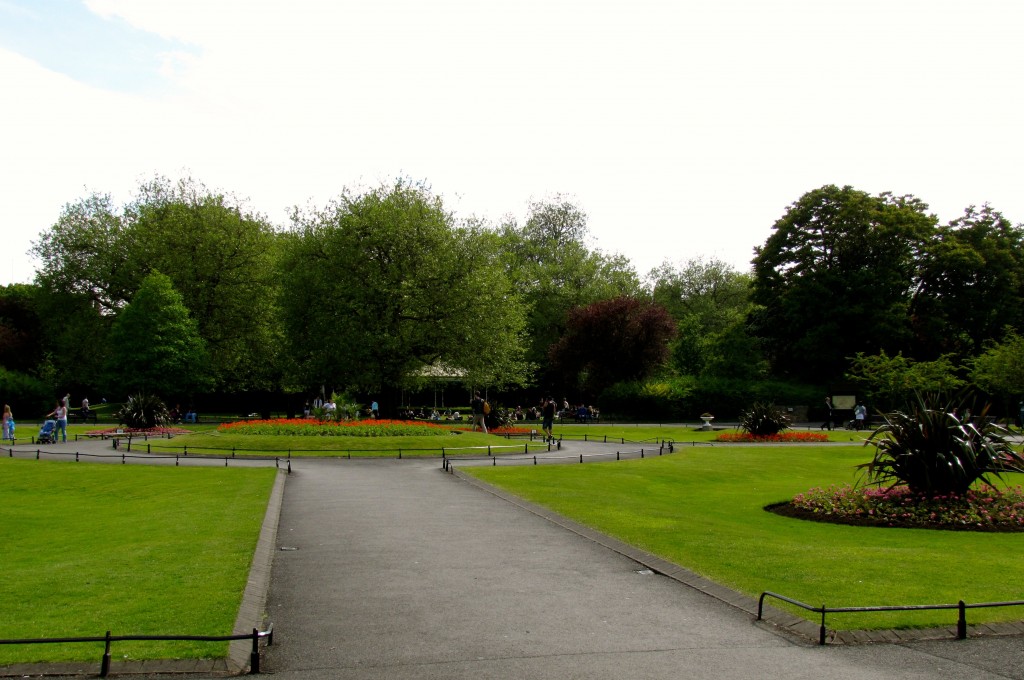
x: 209, y: 439
x: 130, y: 549
x: 703, y: 508
x: 214, y: 442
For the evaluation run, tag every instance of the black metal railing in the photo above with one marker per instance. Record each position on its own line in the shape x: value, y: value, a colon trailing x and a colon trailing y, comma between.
x: 254, y: 655
x: 448, y: 462
x: 961, y: 607
x: 124, y: 456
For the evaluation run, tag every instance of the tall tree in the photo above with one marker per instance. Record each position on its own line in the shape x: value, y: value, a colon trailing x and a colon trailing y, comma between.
x: 155, y: 344
x: 835, y: 278
x: 552, y: 264
x: 222, y: 259
x: 970, y: 285
x: 380, y: 286
x: 613, y: 340
x: 219, y: 257
x: 710, y: 302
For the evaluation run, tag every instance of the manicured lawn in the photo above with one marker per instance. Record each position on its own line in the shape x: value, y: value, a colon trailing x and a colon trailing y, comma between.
x: 703, y: 508
x: 209, y: 440
x: 465, y: 443
x: 130, y: 549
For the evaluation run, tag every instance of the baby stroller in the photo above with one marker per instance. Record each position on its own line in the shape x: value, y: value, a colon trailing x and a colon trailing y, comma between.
x: 45, y: 435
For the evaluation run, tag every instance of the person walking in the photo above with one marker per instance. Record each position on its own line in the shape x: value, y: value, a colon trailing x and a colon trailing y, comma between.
x: 479, y: 413
x: 828, y: 421
x: 860, y: 414
x: 548, y: 419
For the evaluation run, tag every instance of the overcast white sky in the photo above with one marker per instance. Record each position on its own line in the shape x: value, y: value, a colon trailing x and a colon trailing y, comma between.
x: 683, y: 128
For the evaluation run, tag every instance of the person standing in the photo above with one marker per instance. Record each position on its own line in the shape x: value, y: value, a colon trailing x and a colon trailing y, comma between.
x: 479, y: 416
x: 60, y: 414
x: 548, y: 419
x: 860, y: 414
x: 374, y: 409
x: 8, y: 419
x: 828, y: 421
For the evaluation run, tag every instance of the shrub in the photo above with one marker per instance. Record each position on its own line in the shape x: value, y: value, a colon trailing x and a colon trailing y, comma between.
x: 143, y: 411
x: 934, y: 451
x: 764, y: 420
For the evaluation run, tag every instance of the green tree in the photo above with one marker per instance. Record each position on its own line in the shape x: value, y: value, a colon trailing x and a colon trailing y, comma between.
x: 84, y: 255
x: 380, y: 286
x: 999, y: 369
x: 970, y: 285
x: 710, y: 302
x: 552, y: 265
x: 835, y: 278
x: 891, y: 381
x: 155, y: 344
x: 222, y: 260
x: 220, y: 257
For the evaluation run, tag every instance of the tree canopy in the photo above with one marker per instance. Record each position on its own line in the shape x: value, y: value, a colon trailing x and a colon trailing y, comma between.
x: 381, y: 286
x: 835, y: 278
x: 610, y: 341
x: 155, y: 343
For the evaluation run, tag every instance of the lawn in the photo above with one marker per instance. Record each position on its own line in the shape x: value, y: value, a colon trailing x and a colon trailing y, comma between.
x: 207, y: 439
x: 221, y: 442
x: 703, y: 508
x: 130, y: 549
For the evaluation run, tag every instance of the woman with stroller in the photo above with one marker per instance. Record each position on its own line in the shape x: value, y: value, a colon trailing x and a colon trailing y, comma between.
x: 60, y: 414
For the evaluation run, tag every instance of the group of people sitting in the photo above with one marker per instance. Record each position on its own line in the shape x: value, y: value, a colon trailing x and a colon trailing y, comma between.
x: 434, y: 414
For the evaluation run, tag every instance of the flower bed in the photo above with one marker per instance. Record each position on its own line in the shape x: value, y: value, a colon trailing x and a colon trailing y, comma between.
x: 981, y: 509
x: 743, y: 437
x: 310, y: 427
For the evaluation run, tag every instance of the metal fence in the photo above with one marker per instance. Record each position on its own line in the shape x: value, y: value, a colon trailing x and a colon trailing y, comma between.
x: 961, y: 607
x: 108, y: 639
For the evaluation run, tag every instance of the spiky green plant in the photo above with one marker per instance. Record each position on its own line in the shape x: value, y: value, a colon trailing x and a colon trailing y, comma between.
x: 764, y: 420
x: 934, y: 449
x: 143, y: 411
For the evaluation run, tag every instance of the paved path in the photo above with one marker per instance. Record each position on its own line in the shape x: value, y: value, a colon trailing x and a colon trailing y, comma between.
x: 396, y: 569
x: 403, y: 571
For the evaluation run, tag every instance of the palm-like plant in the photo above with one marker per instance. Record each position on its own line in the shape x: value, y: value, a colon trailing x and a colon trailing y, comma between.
x: 764, y: 420
x: 934, y: 450
x: 143, y: 411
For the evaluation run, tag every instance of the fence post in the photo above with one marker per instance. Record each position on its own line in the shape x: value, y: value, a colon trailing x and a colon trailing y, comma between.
x: 105, y: 664
x: 961, y: 623
x: 821, y: 631
x: 254, y: 657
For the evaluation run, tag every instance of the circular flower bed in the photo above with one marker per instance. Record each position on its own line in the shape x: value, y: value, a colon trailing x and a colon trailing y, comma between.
x: 982, y: 509
x: 746, y: 437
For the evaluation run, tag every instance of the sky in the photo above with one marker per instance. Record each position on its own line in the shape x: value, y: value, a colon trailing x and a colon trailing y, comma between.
x: 683, y: 128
